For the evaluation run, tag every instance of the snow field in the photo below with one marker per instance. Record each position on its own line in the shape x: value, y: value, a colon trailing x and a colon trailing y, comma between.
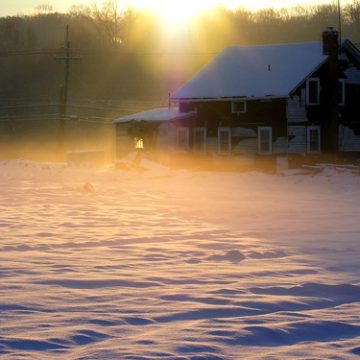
x: 112, y: 264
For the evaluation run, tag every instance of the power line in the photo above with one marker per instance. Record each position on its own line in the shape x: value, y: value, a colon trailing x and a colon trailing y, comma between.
x: 97, y: 120
x: 39, y: 117
x: 76, y: 53
x: 110, y: 52
x: 339, y: 21
x: 26, y: 52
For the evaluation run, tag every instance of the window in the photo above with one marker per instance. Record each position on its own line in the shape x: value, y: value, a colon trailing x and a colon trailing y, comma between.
x: 313, y: 139
x: 200, y: 139
x: 264, y: 140
x: 182, y: 135
x: 341, y: 92
x: 139, y: 143
x: 313, y: 91
x: 224, y: 140
x: 238, y: 107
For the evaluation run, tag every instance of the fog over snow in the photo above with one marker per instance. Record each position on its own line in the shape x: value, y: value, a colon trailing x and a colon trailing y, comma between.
x: 103, y: 263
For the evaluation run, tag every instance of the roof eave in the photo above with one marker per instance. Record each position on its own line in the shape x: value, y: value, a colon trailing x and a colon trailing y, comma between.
x: 126, y: 120
x: 307, y: 76
x: 229, y: 98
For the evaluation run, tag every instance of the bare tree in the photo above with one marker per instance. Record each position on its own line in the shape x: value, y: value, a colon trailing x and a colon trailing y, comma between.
x: 79, y: 10
x: 111, y: 21
x: 44, y: 9
x: 352, y: 12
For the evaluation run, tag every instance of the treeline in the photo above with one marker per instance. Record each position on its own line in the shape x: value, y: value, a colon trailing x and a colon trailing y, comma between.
x: 127, y: 54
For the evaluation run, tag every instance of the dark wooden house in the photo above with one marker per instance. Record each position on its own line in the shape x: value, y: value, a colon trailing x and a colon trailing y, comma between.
x: 263, y: 100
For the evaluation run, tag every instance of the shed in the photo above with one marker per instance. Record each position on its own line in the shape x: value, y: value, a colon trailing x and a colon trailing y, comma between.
x: 151, y: 129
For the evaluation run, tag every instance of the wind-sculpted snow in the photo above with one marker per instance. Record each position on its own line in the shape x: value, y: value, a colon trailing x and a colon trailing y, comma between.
x: 113, y: 264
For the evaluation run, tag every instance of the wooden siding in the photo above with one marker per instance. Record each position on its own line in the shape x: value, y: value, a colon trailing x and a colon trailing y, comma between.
x: 124, y: 142
x: 166, y: 136
x: 214, y: 114
x: 244, y: 140
x: 295, y: 110
x: 246, y: 147
x: 297, y: 140
x: 348, y: 141
x: 212, y: 144
x: 280, y: 145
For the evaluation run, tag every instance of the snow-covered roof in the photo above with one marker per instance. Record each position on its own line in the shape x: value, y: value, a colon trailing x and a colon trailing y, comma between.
x: 257, y: 72
x: 155, y: 115
x: 351, y: 49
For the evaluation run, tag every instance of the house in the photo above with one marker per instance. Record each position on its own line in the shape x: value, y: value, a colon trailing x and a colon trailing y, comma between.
x: 301, y: 98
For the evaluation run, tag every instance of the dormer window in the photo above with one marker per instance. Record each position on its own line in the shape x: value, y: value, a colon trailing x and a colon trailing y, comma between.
x: 313, y: 91
x: 238, y: 107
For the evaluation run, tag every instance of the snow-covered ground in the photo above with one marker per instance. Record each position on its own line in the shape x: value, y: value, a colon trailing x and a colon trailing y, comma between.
x: 173, y: 264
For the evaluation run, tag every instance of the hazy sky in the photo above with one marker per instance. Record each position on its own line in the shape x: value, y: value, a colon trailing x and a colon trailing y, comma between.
x: 13, y: 7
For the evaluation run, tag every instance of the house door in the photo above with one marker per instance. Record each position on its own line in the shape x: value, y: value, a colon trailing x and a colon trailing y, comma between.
x: 224, y: 140
x: 265, y: 140
x: 200, y: 140
x: 313, y: 139
x: 182, y: 135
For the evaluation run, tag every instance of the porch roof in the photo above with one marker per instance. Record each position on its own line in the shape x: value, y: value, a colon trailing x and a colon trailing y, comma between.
x: 156, y: 115
x: 254, y: 72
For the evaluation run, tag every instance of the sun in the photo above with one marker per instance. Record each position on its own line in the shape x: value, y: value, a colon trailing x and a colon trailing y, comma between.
x: 174, y: 16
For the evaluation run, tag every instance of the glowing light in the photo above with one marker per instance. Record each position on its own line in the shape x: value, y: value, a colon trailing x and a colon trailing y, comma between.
x: 139, y: 143
x: 176, y: 12
x: 163, y: 6
x: 174, y: 15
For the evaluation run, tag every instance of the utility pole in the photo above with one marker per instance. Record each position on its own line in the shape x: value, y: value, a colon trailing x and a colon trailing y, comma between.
x: 339, y: 20
x: 64, y: 92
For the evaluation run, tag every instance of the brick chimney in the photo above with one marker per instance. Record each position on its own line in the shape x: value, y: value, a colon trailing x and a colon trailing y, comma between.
x: 330, y: 38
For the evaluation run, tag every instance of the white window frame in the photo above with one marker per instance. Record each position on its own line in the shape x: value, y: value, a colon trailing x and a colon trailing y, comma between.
x: 236, y: 111
x: 269, y: 129
x: 308, y: 131
x: 342, y: 88
x: 185, y: 130
x: 138, y: 143
x: 203, y: 131
x: 228, y: 131
x: 308, y: 81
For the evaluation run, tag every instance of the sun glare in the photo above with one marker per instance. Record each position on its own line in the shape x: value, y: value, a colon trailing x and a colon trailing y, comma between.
x: 175, y: 15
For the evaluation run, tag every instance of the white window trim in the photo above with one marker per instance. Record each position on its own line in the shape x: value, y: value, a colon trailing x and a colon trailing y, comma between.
x: 343, y: 95
x: 269, y: 129
x: 178, y: 131
x: 309, y: 128
x: 233, y: 107
x: 228, y: 130
x: 308, y: 81
x: 201, y: 130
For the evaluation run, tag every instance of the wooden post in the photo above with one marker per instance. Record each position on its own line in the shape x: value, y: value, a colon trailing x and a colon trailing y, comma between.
x: 64, y: 94
x: 61, y: 132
